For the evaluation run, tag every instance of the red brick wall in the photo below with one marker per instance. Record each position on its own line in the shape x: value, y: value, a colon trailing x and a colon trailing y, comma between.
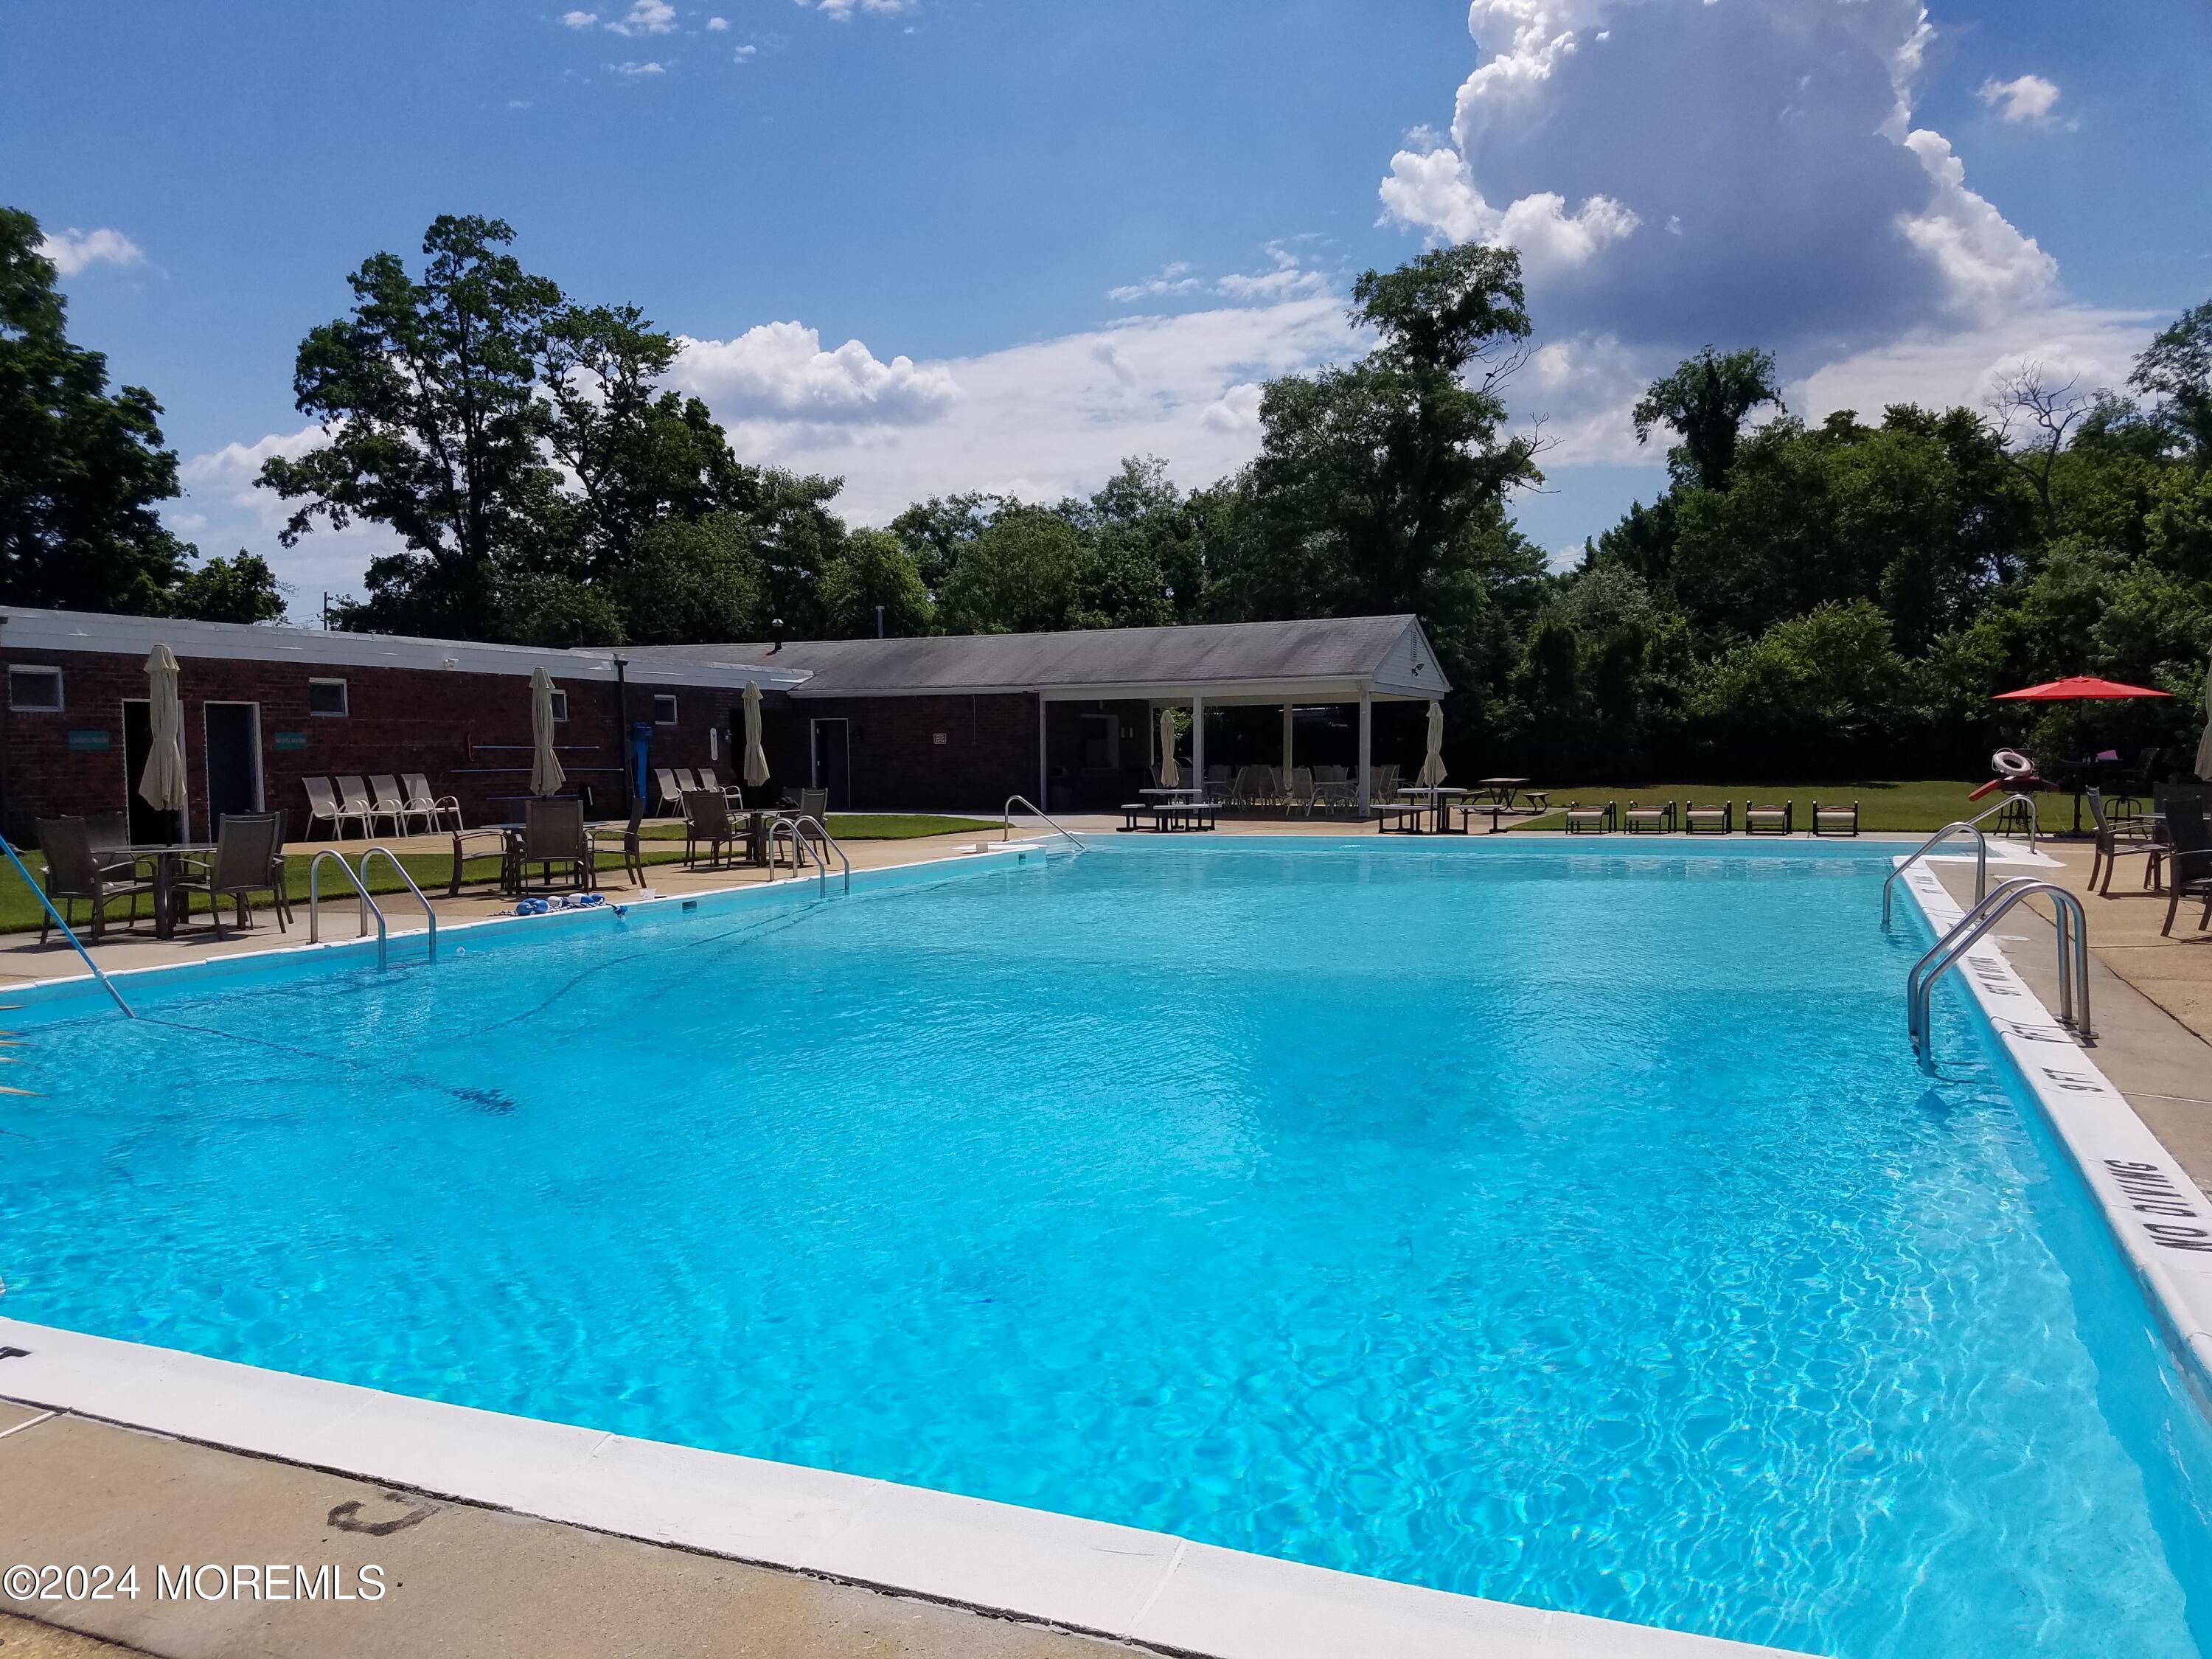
x: 989, y: 753
x: 469, y: 733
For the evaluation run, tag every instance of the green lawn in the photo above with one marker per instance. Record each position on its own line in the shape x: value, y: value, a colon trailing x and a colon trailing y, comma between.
x: 868, y: 826
x: 1883, y: 807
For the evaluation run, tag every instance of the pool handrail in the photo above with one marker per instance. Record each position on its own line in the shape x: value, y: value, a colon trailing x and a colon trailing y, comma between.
x: 1981, y: 863
x: 2073, y: 930
x: 797, y: 823
x: 369, y: 906
x: 1007, y: 821
x: 62, y: 922
x: 399, y: 870
x: 2028, y: 801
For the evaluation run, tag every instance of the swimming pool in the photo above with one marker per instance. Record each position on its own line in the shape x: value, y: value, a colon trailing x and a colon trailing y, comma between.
x: 1545, y: 1223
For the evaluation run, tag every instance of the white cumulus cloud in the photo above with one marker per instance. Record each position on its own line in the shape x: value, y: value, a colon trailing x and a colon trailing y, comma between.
x: 72, y: 251
x: 2025, y: 101
x: 841, y: 11
x: 579, y: 20
x: 646, y: 17
x: 780, y: 372
x: 638, y: 71
x: 716, y: 25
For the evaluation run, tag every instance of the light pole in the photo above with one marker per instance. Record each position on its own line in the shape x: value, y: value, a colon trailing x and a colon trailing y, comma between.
x: 622, y: 728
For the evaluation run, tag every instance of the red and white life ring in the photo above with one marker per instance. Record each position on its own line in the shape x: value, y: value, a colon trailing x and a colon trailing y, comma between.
x: 2010, y: 764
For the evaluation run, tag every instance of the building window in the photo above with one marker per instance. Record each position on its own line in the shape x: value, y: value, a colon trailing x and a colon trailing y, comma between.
x: 326, y: 697
x: 664, y: 711
x: 36, y: 690
x: 559, y: 705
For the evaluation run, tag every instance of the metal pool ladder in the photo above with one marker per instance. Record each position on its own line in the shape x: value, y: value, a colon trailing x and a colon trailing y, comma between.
x: 1006, y: 818
x: 1946, y: 953
x: 798, y: 828
x: 1981, y: 862
x: 369, y: 907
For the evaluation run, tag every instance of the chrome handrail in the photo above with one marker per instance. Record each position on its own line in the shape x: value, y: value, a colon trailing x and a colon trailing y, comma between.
x: 797, y: 825
x: 62, y: 922
x: 2073, y: 930
x: 369, y: 906
x: 1981, y: 864
x: 400, y: 871
x: 2028, y: 801
x: 1007, y: 821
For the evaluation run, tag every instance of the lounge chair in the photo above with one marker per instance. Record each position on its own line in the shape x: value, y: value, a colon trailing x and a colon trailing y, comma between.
x: 1593, y: 820
x: 1836, y: 820
x: 437, y: 808
x: 1709, y: 820
x: 1770, y: 820
x: 671, y: 792
x: 248, y: 859
x: 553, y: 838
x: 389, y: 803
x: 2122, y: 838
x: 1298, y: 796
x: 707, y: 822
x: 1648, y: 820
x: 324, y: 806
x: 687, y: 783
x: 354, y: 802
x: 2189, y: 865
x: 75, y: 870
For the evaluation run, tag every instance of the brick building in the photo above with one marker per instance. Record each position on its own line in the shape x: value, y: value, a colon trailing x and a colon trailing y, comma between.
x: 947, y: 724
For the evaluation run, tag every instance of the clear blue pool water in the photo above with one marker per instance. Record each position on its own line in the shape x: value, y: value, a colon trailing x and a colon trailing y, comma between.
x: 1553, y: 1225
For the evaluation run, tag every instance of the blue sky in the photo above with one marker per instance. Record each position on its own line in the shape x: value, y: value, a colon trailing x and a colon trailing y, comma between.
x: 946, y: 244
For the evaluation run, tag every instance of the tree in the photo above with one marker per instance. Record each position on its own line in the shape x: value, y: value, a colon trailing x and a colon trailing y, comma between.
x: 871, y: 573
x: 428, y: 396
x: 2176, y: 367
x: 240, y: 589
x: 1025, y: 573
x: 82, y: 468
x: 1705, y: 400
x: 2034, y: 413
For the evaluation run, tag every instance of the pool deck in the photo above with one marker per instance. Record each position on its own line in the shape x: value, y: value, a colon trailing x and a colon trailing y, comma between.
x: 185, y: 1464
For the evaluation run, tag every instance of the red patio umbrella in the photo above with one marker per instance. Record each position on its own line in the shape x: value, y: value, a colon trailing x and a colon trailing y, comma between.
x: 2080, y: 689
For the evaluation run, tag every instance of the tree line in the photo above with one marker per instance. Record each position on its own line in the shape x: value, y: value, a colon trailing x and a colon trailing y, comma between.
x: 1841, y: 596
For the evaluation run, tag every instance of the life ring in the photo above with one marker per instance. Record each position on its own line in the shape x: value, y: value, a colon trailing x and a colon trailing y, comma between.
x: 2012, y: 764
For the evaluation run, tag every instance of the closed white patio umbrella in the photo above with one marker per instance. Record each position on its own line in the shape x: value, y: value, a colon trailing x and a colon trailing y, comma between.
x: 162, y: 783
x: 2204, y: 743
x: 1432, y: 764
x: 1170, y: 774
x: 755, y: 756
x: 546, y: 776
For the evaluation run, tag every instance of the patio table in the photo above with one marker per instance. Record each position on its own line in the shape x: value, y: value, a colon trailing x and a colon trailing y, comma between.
x: 1500, y: 790
x: 164, y: 856
x: 1437, y: 799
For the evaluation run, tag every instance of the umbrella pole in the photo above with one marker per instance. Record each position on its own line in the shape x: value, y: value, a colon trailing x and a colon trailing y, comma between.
x: 62, y: 921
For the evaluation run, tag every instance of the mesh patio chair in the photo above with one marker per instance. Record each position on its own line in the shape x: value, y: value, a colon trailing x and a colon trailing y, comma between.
x: 324, y: 806
x: 671, y: 792
x: 708, y: 823
x: 2188, y: 862
x: 628, y: 841
x: 76, y: 871
x: 353, y: 803
x: 389, y: 803
x: 2122, y: 838
x: 553, y: 839
x: 248, y: 859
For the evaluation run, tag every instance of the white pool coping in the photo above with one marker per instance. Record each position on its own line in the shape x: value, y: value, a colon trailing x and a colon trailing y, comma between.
x: 2162, y: 1222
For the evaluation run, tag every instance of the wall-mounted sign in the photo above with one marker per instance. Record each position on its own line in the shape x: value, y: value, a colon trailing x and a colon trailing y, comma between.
x: 89, y: 740
x: 291, y: 739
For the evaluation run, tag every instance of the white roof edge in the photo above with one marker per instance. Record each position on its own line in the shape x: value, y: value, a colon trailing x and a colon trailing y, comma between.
x: 30, y: 629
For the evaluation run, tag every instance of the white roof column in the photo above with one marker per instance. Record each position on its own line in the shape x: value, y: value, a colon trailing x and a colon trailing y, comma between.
x: 1366, y: 743
x: 1288, y: 711
x: 1197, y: 742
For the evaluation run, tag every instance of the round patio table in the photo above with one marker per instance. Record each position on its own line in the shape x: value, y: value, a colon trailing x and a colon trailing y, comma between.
x: 164, y: 857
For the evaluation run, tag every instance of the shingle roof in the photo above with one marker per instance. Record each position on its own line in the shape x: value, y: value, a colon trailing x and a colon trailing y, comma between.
x: 1390, y: 651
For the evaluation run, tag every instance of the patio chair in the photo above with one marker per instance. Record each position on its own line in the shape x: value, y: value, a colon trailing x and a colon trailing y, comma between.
x: 2122, y: 838
x: 248, y: 859
x: 437, y: 808
x: 1592, y: 820
x: 1382, y: 786
x: 1648, y: 820
x: 707, y: 822
x: 76, y: 870
x: 671, y: 792
x: 815, y: 803
x: 687, y: 783
x: 107, y: 830
x: 389, y: 803
x: 2188, y: 862
x: 1770, y: 820
x: 1299, y: 797
x: 1842, y: 821
x: 324, y: 806
x: 1216, y: 783
x: 553, y: 838
x: 1709, y: 820
x: 627, y: 842
x: 354, y: 802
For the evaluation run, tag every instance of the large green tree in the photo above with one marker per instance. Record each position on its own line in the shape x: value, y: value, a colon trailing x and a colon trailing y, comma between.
x: 428, y: 393
x: 2175, y: 369
x: 82, y: 467
x: 1705, y: 400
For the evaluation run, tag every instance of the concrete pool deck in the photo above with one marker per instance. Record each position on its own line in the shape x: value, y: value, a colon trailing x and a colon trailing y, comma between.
x: 154, y: 1473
